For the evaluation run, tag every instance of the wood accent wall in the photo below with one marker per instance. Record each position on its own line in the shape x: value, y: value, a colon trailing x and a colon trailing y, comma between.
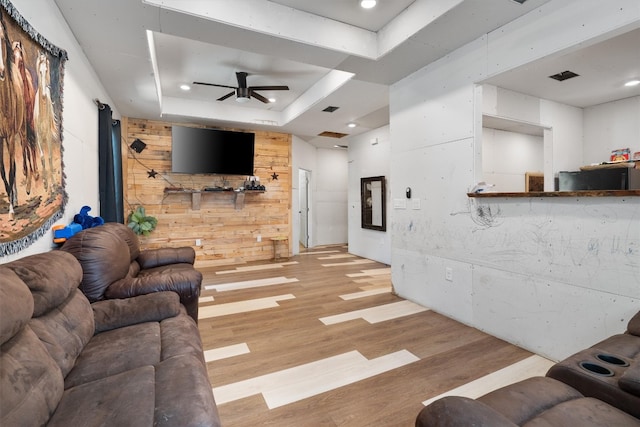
x: 228, y: 236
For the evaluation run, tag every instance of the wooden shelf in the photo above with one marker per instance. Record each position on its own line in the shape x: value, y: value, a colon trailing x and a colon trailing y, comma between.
x: 196, y: 195
x: 586, y: 193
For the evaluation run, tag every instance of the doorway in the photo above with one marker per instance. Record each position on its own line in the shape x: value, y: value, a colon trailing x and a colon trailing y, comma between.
x: 304, y: 177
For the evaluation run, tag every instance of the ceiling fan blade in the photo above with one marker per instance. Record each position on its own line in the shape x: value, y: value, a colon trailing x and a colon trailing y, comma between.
x: 213, y: 84
x: 259, y: 97
x: 222, y: 98
x: 242, y: 78
x: 269, y: 87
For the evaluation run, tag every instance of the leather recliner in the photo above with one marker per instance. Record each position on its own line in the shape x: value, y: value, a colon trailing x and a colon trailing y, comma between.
x: 114, y: 267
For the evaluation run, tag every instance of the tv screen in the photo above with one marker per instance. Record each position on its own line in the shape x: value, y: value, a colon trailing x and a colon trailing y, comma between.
x: 199, y: 150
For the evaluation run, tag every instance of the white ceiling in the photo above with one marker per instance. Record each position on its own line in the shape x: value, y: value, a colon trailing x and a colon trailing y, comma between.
x: 329, y: 53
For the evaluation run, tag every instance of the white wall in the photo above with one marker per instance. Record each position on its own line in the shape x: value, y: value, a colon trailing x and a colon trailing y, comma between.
x: 506, y: 156
x: 80, y: 117
x: 328, y: 196
x: 303, y: 156
x: 553, y: 275
x: 611, y: 126
x: 369, y: 155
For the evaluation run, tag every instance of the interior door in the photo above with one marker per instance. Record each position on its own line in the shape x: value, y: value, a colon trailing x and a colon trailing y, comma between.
x: 304, y: 177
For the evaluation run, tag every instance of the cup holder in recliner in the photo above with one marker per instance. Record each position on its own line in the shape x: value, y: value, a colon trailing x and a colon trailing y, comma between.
x: 596, y: 369
x: 611, y: 359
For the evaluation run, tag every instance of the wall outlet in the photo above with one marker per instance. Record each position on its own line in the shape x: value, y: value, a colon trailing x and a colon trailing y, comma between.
x: 259, y: 238
x: 198, y: 242
x: 448, y: 274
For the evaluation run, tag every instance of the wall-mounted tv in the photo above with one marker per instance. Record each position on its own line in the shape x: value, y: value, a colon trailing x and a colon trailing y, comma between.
x: 214, y: 151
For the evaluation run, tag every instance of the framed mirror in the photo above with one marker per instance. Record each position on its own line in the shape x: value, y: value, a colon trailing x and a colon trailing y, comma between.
x: 373, y: 204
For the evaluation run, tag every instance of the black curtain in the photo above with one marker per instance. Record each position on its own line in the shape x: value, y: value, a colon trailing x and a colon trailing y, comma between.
x: 110, y: 166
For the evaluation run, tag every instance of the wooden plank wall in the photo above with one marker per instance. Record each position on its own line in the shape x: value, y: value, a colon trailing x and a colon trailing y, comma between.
x: 228, y: 236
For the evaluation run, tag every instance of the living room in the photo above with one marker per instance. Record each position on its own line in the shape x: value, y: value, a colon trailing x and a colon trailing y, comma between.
x: 551, y: 275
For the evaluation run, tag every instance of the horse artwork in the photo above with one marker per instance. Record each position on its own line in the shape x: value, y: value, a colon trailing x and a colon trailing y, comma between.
x: 32, y: 193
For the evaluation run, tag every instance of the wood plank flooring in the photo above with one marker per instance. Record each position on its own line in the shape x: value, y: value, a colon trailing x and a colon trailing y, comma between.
x: 320, y: 340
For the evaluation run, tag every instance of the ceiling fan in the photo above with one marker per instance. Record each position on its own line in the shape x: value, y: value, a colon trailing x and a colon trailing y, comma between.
x: 242, y: 91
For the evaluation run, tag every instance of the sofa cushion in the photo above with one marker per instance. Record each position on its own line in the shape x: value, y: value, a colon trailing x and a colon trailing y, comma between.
x: 630, y: 380
x: 184, y: 379
x: 31, y: 383
x: 119, y: 350
x: 585, y: 412
x: 126, y: 234
x: 104, y: 258
x: 524, y: 400
x: 16, y: 304
x: 122, y: 400
x: 456, y: 411
x: 117, y: 313
x: 66, y: 330
x: 49, y: 290
x: 178, y: 337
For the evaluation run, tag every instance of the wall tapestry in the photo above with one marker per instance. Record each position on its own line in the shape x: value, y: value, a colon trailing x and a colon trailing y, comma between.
x: 32, y: 193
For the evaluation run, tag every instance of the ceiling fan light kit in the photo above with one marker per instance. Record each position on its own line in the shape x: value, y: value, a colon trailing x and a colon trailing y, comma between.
x: 367, y: 4
x: 243, y: 92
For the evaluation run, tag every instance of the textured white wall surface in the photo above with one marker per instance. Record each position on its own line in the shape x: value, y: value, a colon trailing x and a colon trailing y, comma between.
x: 369, y: 155
x: 331, y: 196
x: 553, y: 275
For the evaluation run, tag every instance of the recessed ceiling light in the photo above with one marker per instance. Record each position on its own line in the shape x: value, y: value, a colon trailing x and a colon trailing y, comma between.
x: 632, y: 83
x: 351, y: 125
x: 185, y: 87
x: 272, y: 100
x: 367, y: 4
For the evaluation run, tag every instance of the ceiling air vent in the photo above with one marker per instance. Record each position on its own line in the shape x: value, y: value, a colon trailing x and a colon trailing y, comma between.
x: 330, y: 109
x: 565, y: 75
x: 333, y: 134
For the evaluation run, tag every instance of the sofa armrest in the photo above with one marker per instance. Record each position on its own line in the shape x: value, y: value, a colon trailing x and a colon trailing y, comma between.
x: 455, y: 411
x: 151, y: 258
x: 186, y: 283
x: 118, y: 313
x: 630, y: 380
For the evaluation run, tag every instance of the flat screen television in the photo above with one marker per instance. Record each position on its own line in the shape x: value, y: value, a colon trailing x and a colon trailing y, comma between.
x: 211, y: 151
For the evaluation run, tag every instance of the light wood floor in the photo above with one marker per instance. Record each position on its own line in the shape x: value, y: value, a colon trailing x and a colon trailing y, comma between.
x: 320, y: 340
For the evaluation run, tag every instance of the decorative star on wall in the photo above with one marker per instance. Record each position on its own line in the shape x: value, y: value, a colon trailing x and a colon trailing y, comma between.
x: 274, y: 176
x: 152, y: 174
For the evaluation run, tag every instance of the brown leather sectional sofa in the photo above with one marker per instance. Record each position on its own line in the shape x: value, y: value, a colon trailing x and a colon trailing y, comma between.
x: 64, y: 361
x: 599, y: 386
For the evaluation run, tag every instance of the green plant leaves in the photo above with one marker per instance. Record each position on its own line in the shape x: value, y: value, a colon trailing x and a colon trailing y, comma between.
x: 140, y: 223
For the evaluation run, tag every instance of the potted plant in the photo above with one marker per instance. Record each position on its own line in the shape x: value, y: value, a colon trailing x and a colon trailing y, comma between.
x: 140, y: 223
